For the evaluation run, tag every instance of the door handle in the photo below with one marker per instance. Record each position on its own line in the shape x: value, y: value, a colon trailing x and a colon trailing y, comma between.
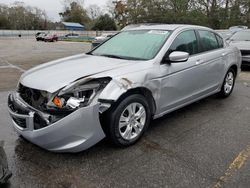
x: 224, y: 54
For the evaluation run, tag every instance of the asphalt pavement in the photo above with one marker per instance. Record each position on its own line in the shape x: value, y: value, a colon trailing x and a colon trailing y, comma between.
x: 206, y: 144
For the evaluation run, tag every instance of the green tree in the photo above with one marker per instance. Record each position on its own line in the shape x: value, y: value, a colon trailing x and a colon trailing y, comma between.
x: 20, y: 16
x: 105, y: 23
x: 75, y: 12
x: 4, y: 23
x: 218, y: 14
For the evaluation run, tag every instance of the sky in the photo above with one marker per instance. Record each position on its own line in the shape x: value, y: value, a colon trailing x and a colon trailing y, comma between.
x: 53, y: 7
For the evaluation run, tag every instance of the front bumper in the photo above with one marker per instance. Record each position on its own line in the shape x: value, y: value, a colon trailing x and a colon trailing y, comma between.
x: 246, y: 60
x: 74, y: 133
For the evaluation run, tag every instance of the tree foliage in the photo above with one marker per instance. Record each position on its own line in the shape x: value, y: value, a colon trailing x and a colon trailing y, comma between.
x: 218, y: 14
x: 75, y: 12
x: 105, y: 23
x: 24, y: 17
x: 94, y: 11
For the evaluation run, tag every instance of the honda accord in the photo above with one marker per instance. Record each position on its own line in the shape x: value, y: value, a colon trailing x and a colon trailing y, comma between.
x: 115, y: 90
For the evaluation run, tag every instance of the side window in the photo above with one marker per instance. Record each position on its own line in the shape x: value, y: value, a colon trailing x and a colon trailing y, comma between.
x: 220, y: 41
x: 185, y: 42
x: 207, y: 41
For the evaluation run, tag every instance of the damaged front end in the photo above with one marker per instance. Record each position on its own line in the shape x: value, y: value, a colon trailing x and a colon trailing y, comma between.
x: 65, y: 121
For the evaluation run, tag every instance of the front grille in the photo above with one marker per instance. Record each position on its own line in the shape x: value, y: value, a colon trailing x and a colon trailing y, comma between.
x: 20, y: 122
x: 33, y: 97
x: 245, y: 52
x: 244, y: 63
x: 18, y: 108
x: 39, y: 122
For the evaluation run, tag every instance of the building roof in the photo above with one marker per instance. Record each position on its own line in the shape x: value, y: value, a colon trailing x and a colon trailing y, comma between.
x: 73, y: 26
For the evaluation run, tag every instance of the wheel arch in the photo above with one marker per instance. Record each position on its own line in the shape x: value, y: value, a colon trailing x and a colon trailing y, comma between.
x: 235, y: 69
x: 144, y: 92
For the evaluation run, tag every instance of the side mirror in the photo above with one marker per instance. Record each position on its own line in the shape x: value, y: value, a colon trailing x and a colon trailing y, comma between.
x: 177, y: 57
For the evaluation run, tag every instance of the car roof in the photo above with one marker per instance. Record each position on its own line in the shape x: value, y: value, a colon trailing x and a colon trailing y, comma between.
x: 169, y: 27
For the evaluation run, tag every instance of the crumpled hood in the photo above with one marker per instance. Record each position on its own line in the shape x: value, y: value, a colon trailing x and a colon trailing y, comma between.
x: 241, y: 45
x: 57, y: 74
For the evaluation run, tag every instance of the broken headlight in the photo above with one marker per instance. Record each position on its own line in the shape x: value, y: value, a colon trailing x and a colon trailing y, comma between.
x: 78, y: 94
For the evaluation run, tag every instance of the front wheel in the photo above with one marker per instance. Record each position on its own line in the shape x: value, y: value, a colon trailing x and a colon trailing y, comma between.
x: 228, y: 84
x: 128, y: 120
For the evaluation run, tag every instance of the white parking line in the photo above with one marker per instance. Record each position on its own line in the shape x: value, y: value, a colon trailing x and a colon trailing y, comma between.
x: 16, y: 67
x: 11, y: 66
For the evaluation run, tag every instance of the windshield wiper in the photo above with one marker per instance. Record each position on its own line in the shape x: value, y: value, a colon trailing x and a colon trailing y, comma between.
x: 118, y: 57
x: 89, y: 53
x: 112, y: 56
x: 122, y: 57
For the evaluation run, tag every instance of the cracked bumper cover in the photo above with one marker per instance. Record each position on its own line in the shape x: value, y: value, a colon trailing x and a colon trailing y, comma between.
x: 74, y: 133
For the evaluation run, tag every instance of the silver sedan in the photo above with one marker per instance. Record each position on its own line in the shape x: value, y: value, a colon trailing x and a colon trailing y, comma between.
x: 241, y: 40
x: 142, y: 73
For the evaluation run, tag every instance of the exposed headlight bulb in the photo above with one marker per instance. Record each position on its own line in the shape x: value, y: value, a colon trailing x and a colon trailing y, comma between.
x: 74, y: 102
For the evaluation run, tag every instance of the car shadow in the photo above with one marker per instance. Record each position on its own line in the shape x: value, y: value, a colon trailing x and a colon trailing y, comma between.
x: 245, y: 68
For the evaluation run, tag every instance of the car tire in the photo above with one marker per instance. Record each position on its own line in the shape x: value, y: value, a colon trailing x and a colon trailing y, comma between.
x: 228, y: 84
x: 126, y: 121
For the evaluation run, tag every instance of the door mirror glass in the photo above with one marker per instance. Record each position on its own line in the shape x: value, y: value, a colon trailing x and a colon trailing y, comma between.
x: 178, y: 57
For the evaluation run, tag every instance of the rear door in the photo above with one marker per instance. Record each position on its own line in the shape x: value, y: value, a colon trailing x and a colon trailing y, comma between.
x: 212, y: 61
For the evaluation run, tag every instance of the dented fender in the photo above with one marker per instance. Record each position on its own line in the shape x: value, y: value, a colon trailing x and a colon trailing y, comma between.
x: 121, y: 85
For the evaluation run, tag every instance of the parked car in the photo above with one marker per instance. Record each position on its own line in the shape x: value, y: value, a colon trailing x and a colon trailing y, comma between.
x: 237, y: 28
x: 38, y: 33
x: 225, y: 34
x: 51, y: 38
x: 142, y: 73
x: 40, y: 36
x: 100, y: 39
x: 241, y: 40
x: 72, y: 35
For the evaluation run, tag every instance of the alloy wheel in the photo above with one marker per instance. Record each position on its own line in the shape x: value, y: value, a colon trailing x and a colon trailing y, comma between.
x: 229, y: 82
x: 132, y: 121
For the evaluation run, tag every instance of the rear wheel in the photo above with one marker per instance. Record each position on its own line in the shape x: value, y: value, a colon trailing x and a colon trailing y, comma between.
x: 228, y: 84
x: 128, y: 120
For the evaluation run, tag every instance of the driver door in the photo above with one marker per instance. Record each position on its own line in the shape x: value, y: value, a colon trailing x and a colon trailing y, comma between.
x: 182, y: 82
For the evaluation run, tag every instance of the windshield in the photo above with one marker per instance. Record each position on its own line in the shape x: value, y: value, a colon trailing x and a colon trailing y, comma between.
x: 134, y: 45
x: 241, y: 36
